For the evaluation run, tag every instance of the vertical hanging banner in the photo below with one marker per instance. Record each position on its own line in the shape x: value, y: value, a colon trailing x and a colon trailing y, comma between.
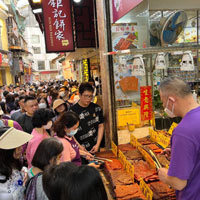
x: 58, y: 25
x: 146, y: 103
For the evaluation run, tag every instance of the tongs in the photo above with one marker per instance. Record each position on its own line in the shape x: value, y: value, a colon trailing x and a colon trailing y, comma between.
x: 157, y: 163
x: 102, y: 159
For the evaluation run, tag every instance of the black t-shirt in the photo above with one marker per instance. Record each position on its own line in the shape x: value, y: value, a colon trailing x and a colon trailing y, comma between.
x: 90, y: 118
x: 25, y: 122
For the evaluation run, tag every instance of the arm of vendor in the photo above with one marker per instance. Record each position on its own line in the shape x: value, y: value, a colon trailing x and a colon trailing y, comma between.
x: 174, y: 182
x: 183, y: 161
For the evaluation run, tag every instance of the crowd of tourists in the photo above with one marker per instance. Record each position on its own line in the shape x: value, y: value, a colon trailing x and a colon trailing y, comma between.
x: 49, y: 133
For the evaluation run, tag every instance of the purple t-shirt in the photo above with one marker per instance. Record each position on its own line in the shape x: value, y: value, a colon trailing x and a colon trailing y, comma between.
x: 185, y: 155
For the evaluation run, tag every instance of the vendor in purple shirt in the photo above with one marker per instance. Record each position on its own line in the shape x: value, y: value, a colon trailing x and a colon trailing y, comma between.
x: 184, y: 170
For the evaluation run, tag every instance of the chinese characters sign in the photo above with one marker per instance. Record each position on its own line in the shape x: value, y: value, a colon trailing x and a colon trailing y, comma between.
x: 86, y: 70
x: 146, y: 102
x: 58, y: 25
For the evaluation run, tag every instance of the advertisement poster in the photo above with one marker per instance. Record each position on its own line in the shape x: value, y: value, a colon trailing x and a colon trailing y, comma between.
x: 122, y: 7
x: 124, y: 36
x: 58, y: 25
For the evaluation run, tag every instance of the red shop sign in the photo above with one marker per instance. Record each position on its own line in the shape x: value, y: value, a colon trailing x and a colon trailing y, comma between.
x: 58, y: 25
x: 146, y: 103
x: 122, y: 7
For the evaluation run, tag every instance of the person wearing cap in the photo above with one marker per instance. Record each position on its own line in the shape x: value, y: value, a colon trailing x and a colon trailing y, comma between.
x: 25, y: 121
x: 59, y: 107
x: 12, y: 177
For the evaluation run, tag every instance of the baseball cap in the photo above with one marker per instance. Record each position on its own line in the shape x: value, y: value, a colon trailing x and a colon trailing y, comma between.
x: 11, y: 138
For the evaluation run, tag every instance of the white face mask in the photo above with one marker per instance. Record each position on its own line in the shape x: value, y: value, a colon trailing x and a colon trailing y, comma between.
x: 72, y: 133
x: 48, y: 126
x: 42, y: 105
x: 62, y: 94
x: 169, y: 112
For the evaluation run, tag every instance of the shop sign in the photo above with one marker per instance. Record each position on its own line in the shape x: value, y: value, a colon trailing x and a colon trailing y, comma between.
x: 146, y: 190
x: 86, y: 70
x: 4, y: 61
x: 122, y: 7
x: 58, y: 25
x: 128, y: 116
x: 146, y: 103
x: 114, y: 148
x: 173, y: 126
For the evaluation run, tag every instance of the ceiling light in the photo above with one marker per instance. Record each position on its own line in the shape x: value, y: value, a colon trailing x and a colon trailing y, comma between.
x: 36, y: 1
x: 77, y: 1
x: 39, y: 10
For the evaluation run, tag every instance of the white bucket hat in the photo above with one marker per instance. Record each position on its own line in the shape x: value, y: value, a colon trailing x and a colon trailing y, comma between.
x: 12, y: 138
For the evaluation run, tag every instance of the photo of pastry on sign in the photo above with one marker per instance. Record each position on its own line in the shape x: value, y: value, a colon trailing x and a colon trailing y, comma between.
x: 129, y: 84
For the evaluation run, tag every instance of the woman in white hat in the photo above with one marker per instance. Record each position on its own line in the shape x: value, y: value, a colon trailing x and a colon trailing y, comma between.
x: 11, y: 177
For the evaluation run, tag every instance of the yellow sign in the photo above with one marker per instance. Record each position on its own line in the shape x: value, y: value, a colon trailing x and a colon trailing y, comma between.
x: 173, y: 126
x: 146, y: 190
x: 133, y: 140
x: 146, y: 156
x: 130, y: 169
x: 128, y: 116
x: 153, y: 135
x: 114, y: 148
x: 163, y: 141
x: 122, y: 158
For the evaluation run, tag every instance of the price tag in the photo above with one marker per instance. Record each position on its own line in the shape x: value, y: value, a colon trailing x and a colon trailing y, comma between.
x: 173, y: 126
x: 114, y: 148
x: 130, y: 169
x: 122, y: 158
x: 146, y: 190
x: 133, y: 140
x: 163, y: 141
x: 147, y: 157
x: 153, y: 135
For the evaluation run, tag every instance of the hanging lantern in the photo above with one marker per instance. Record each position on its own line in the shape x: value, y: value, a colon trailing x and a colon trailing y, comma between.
x: 138, y: 66
x: 160, y: 62
x: 187, y: 63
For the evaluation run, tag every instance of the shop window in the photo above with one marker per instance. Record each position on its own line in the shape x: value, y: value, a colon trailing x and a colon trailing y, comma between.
x: 37, y: 50
x: 41, y: 65
x: 35, y: 39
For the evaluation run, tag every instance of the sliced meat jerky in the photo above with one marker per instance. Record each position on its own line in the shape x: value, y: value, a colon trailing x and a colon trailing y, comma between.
x: 105, y: 154
x: 117, y: 47
x: 143, y: 170
x: 163, y: 160
x: 120, y: 177
x: 145, y: 141
x: 133, y: 155
x: 125, y: 147
x: 162, y: 190
x: 126, y: 192
x: 114, y: 165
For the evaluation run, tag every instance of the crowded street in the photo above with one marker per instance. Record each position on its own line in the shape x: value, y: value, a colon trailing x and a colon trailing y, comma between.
x: 99, y: 100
